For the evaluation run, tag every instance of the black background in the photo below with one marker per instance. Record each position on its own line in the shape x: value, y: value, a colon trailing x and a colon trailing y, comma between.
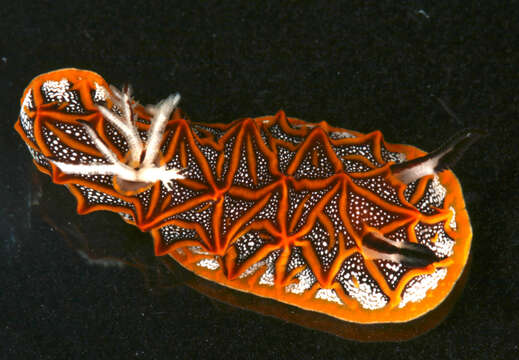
x: 417, y: 71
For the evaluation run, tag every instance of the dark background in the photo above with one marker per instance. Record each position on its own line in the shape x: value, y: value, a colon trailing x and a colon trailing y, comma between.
x: 417, y: 71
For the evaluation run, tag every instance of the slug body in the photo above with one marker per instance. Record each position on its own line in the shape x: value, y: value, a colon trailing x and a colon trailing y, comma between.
x: 322, y: 218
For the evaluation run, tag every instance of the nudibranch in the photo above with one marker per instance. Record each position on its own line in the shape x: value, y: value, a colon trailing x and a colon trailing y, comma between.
x: 318, y: 217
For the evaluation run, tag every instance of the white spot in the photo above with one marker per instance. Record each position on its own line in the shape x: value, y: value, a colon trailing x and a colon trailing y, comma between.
x: 443, y: 245
x: 438, y: 191
x: 418, y: 287
x: 252, y: 269
x: 101, y: 94
x: 452, y: 223
x: 57, y: 90
x: 328, y: 295
x: 268, y: 276
x: 210, y: 263
x: 341, y: 135
x: 306, y: 280
x: 198, y: 250
x: 368, y: 297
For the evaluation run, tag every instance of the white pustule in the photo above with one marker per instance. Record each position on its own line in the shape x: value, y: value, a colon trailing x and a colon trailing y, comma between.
x: 141, y: 166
